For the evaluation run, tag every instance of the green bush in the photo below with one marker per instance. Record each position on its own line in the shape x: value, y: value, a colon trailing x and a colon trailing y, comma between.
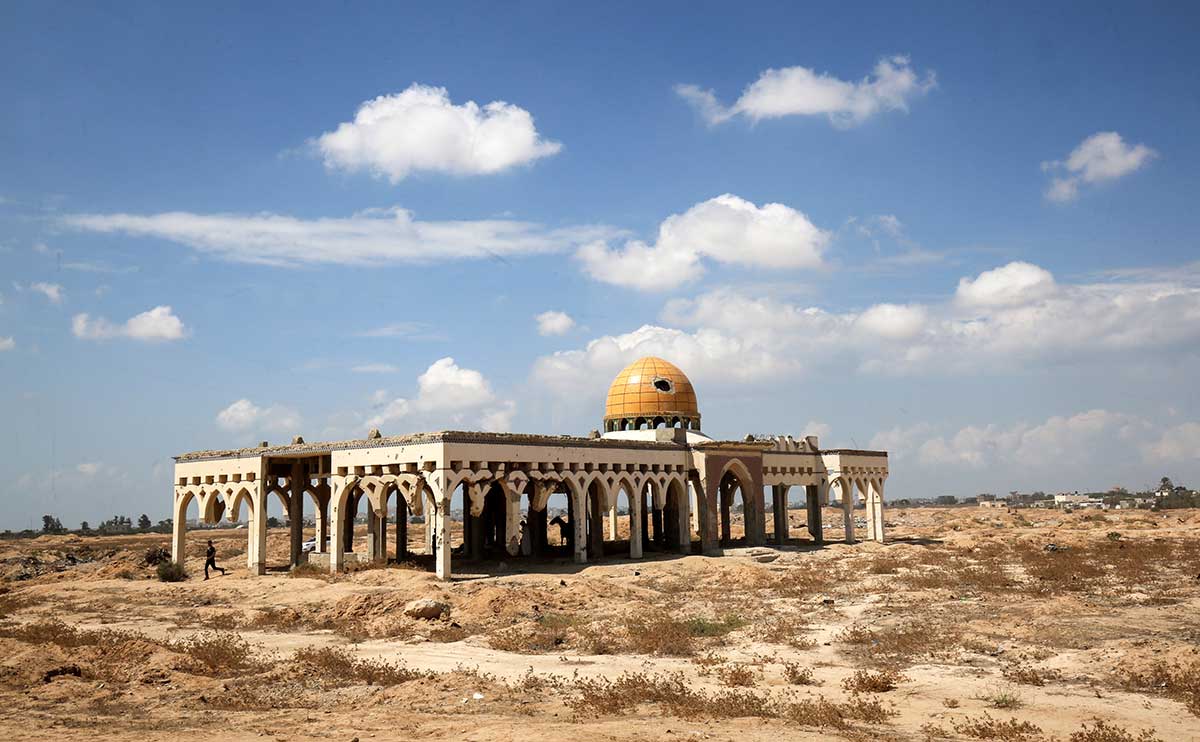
x: 171, y: 572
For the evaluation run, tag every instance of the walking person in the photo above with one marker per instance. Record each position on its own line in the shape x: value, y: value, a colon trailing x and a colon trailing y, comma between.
x: 210, y: 560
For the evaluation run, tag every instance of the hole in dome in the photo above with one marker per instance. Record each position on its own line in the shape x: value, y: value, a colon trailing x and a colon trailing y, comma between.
x: 663, y: 385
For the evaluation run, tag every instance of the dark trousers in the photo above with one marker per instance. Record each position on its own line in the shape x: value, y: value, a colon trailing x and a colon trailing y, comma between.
x: 212, y: 562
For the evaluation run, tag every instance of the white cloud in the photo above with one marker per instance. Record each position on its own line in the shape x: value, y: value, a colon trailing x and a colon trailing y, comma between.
x: 1099, y: 158
x: 819, y: 429
x: 51, y: 291
x: 554, y: 323
x: 1013, y: 318
x: 420, y: 129
x: 1015, y: 283
x: 244, y: 416
x: 7, y: 343
x: 375, y: 368
x: 801, y: 91
x: 154, y: 325
x: 727, y: 229
x: 447, y: 394
x: 372, y: 237
x: 894, y: 321
x: 88, y: 468
x: 1180, y: 443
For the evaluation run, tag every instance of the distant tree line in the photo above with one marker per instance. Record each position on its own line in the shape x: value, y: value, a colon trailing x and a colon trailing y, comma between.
x: 116, y: 525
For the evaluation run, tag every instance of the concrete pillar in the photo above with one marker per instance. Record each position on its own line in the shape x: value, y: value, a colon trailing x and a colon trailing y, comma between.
x: 372, y: 547
x: 635, y: 525
x: 578, y: 518
x: 381, y: 537
x: 258, y: 533
x: 847, y: 488
x: 178, y: 533
x: 648, y: 495
x: 726, y: 495
x: 612, y: 521
x: 694, y: 508
x: 708, y: 498
x: 656, y: 520
x: 814, y: 498
x: 337, y: 525
x: 441, y: 524
x: 595, y: 529
x: 322, y: 521
x: 401, y: 529
x: 685, y: 522
x: 296, y: 484
x: 350, y: 513
x: 876, y: 509
x: 430, y: 536
x: 864, y: 486
x: 512, y: 524
x: 779, y: 506
x: 538, y: 530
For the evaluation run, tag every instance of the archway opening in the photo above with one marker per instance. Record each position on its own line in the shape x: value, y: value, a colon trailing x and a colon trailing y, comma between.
x: 732, y: 507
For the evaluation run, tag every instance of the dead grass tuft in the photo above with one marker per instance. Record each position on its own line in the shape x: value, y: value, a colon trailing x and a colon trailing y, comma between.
x: 1177, y: 681
x: 335, y: 666
x: 865, y: 681
x: 736, y: 676
x: 985, y: 727
x: 798, y: 675
x: 1101, y: 731
x: 221, y: 654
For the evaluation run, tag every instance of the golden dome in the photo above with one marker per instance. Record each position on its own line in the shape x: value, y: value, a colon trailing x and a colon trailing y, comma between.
x: 652, y: 388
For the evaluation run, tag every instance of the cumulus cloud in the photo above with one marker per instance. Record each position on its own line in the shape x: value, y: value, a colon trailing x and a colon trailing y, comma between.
x: 420, y: 129
x: 154, y: 325
x: 727, y: 229
x: 447, y: 395
x: 1100, y: 158
x: 7, y: 343
x: 245, y: 416
x: 52, y: 291
x: 1180, y: 443
x: 554, y: 323
x: 372, y: 237
x: 1012, y: 317
x: 802, y: 91
x: 1012, y: 284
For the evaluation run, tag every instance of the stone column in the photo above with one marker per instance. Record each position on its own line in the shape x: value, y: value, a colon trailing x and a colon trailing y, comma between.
x: 178, y: 531
x: 595, y: 529
x: 322, y: 520
x: 441, y: 522
x: 864, y: 486
x: 635, y: 525
x: 847, y: 488
x: 381, y: 536
x: 612, y: 521
x: 430, y: 538
x: 685, y: 523
x: 337, y: 523
x: 579, y: 525
x: 296, y: 512
x: 814, y: 498
x: 258, y: 533
x: 876, y: 514
x: 512, y: 524
x: 779, y: 506
x: 401, y: 529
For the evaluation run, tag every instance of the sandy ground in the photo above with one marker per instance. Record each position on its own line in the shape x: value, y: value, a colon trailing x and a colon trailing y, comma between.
x: 987, y: 632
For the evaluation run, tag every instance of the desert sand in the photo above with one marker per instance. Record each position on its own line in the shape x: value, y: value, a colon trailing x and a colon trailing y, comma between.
x: 967, y: 624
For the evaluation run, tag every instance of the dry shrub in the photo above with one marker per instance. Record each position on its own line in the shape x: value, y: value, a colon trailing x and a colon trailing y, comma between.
x: 10, y: 603
x: 950, y: 703
x: 1101, y: 731
x: 530, y: 638
x: 986, y: 727
x: 797, y: 675
x: 170, y: 572
x: 221, y: 653
x: 897, y: 645
x: 54, y: 631
x: 865, y: 681
x: 884, y: 564
x: 1178, y: 681
x: 1028, y: 675
x: 676, y: 696
x: 1003, y: 697
x: 787, y: 630
x: 736, y: 676
x: 338, y: 666
x: 660, y: 635
x: 279, y: 619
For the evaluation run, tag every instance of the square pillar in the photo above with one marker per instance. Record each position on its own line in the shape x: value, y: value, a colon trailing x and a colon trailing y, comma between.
x: 441, y: 524
x: 847, y: 489
x: 296, y: 484
x: 512, y: 524
x: 635, y: 524
x: 322, y: 520
x: 579, y: 527
x: 780, y: 509
x: 813, y: 501
x: 401, y: 529
x: 257, y: 560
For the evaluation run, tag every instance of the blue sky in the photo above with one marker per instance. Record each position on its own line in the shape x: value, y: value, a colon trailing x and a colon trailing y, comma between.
x: 965, y: 233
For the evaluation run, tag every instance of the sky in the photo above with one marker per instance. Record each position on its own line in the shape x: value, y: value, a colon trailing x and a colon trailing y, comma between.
x: 962, y: 233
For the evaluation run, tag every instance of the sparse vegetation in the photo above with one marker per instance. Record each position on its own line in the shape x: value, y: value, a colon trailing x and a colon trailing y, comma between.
x: 985, y: 727
x: 865, y: 681
x: 170, y: 572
